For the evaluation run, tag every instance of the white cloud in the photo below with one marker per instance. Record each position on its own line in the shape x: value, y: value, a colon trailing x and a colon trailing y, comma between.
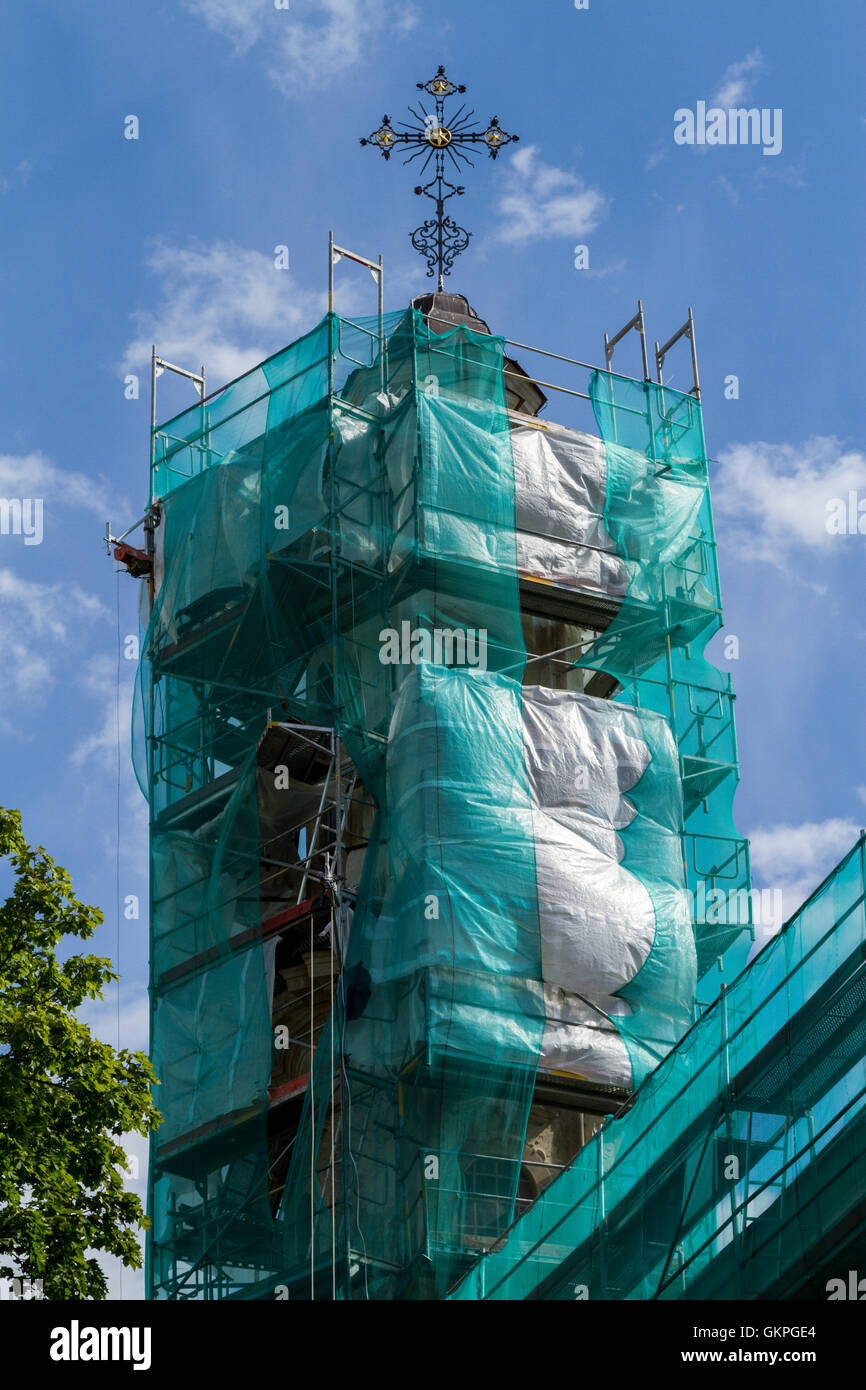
x: 729, y: 190
x: 37, y: 624
x: 104, y: 754
x: 737, y: 80
x: 540, y: 200
x: 861, y: 792
x: 612, y: 268
x: 307, y: 53
x: 220, y: 304
x: 311, y: 52
x: 240, y: 21
x: 795, y: 859
x: 100, y: 748
x: 101, y: 1017
x: 793, y: 175
x: 18, y: 178
x: 775, y: 496
x: 810, y: 850
x: 34, y: 475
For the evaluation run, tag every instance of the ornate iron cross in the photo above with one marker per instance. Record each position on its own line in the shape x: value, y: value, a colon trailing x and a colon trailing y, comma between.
x: 437, y: 137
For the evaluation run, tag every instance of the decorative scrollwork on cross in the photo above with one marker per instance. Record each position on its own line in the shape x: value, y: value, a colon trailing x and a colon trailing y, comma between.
x: 440, y: 240
x: 437, y: 137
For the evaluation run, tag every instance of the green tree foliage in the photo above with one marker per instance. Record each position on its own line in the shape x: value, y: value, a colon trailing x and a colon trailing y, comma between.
x: 65, y: 1097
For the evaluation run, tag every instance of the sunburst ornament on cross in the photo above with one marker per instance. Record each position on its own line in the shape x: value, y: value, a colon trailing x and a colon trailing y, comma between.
x: 437, y: 137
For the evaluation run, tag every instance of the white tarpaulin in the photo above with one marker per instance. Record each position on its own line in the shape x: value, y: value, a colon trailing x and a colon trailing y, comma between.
x: 537, y: 838
x: 559, y: 492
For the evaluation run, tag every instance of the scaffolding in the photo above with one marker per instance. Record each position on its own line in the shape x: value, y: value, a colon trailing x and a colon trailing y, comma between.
x: 352, y: 1018
x: 737, y: 1171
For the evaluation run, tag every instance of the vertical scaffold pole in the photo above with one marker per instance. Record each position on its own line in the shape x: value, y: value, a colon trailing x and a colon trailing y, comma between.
x: 313, y: 1119
x: 336, y: 916
x: 149, y: 736
x: 694, y: 354
x: 204, y: 429
x: 601, y: 1213
x: 336, y: 708
x: 381, y: 279
x: 641, y: 328
x: 737, y: 1236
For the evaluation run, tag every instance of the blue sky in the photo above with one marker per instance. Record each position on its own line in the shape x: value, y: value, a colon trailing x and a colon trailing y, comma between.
x: 249, y: 121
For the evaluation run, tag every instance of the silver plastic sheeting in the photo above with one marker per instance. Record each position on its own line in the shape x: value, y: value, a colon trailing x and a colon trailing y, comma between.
x: 607, y: 881
x: 598, y: 919
x: 580, y: 1037
x: 562, y: 495
x: 560, y: 479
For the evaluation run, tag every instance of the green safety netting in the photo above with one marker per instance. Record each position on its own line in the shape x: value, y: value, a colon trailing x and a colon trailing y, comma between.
x: 361, y: 483
x: 658, y: 487
x: 739, y: 1170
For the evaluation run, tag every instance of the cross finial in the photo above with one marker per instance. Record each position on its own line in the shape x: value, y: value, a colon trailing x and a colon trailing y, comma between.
x: 437, y: 137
